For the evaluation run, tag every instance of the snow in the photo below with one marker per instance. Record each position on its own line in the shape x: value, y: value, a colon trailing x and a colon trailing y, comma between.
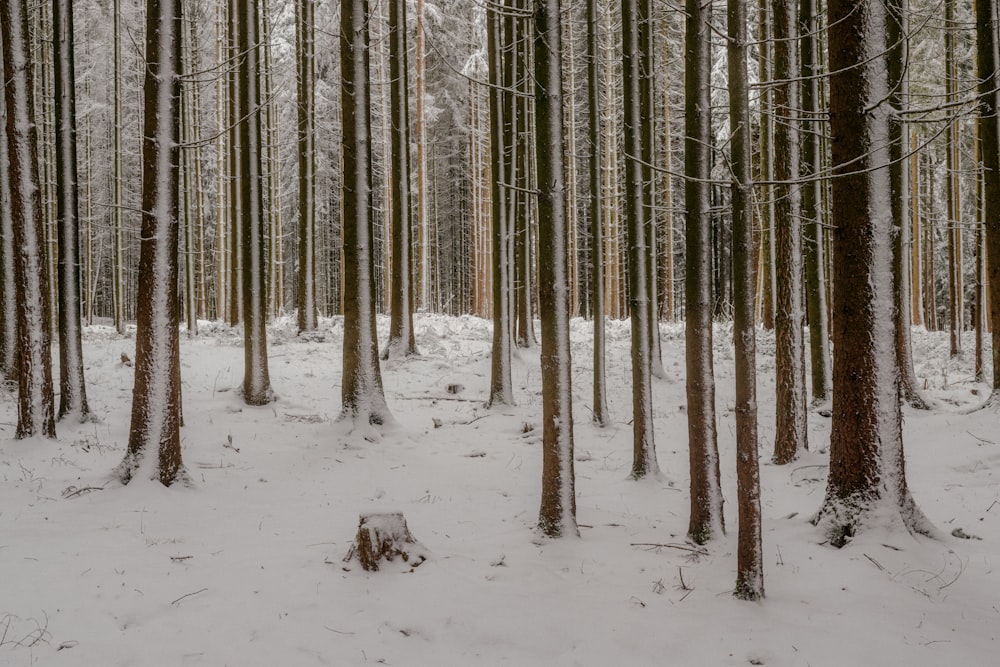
x: 245, y: 565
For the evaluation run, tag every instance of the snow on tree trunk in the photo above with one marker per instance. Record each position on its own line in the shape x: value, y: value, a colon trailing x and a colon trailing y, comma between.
x: 501, y: 389
x: 305, y: 17
x: 8, y: 290
x: 35, y: 398
x: 384, y: 536
x: 706, y: 496
x: 749, y: 567
x: 557, y: 516
x: 790, y: 434
x: 867, y: 482
x: 156, y: 395
x: 401, y: 339
x: 73, y: 392
x: 256, y: 382
x: 637, y: 221
x: 362, y: 395
x: 989, y: 133
x: 596, y: 213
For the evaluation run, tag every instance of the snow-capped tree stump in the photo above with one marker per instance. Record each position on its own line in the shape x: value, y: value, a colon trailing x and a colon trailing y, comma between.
x: 384, y: 536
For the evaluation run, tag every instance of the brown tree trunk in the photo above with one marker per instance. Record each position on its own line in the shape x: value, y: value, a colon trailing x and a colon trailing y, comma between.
x: 596, y: 211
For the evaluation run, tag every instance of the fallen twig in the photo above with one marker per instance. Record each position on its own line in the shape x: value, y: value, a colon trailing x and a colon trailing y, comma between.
x: 701, y: 551
x: 188, y: 595
x: 875, y: 562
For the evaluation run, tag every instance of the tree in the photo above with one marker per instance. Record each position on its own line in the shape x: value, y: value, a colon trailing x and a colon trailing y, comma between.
x: 812, y: 202
x: 989, y: 134
x: 362, y: 395
x: 706, y: 495
x: 8, y: 289
x: 305, y: 47
x: 156, y: 396
x: 35, y: 404
x: 749, y: 568
x: 637, y: 222
x: 72, y: 388
x: 867, y: 480
x: 256, y: 383
x: 557, y: 516
x: 790, y: 434
x: 596, y: 212
x: 501, y: 390
x: 401, y: 339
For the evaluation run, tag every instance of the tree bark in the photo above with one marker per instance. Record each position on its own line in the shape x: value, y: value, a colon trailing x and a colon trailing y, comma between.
x: 706, y: 495
x: 749, y: 566
x: 35, y: 404
x: 595, y: 159
x: 157, y: 391
x: 8, y: 288
x: 362, y: 395
x: 867, y: 480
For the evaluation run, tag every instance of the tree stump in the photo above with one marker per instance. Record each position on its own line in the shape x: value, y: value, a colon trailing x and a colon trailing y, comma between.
x: 384, y: 536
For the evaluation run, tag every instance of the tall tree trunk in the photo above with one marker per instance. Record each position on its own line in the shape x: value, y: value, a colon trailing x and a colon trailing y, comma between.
x: 916, y: 238
x: 8, y: 285
x: 256, y: 383
x: 647, y: 115
x: 305, y: 31
x: 423, y: 215
x: 557, y: 516
x: 790, y: 434
x: 362, y: 394
x: 157, y: 392
x: 73, y: 390
x: 35, y: 404
x: 401, y: 339
x: 706, y: 495
x: 501, y: 391
x: 118, y: 198
x: 989, y: 133
x: 812, y: 203
x: 749, y: 567
x: 867, y: 472
x: 765, y: 66
x: 900, y: 178
x: 637, y: 222
x: 236, y: 151
x: 955, y: 288
x: 595, y: 159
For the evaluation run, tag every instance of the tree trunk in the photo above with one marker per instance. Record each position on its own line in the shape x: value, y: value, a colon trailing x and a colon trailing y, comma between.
x: 812, y: 203
x: 401, y: 340
x: 35, y: 399
x: 790, y: 435
x: 637, y: 223
x: 767, y: 213
x: 501, y: 391
x: 595, y: 159
x: 156, y: 395
x: 8, y: 288
x: 867, y: 478
x: 706, y: 495
x: 73, y: 390
x: 989, y: 104
x: 557, y: 516
x: 952, y: 161
x: 362, y: 394
x: 749, y: 567
x: 305, y: 47
x: 118, y: 198
x: 256, y: 383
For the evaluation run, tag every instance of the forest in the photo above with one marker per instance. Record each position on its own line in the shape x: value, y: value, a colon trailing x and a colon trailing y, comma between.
x: 523, y: 332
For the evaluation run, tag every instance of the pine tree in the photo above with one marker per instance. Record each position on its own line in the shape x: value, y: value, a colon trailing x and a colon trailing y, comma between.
x: 305, y: 47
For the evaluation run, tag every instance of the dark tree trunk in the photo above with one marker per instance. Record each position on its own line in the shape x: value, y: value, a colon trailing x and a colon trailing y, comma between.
x: 749, y: 566
x: 35, y: 401
x: 790, y: 435
x: 637, y: 222
x: 557, y: 516
x: 596, y: 212
x: 706, y: 495
x: 401, y: 340
x: 8, y: 291
x: 73, y: 390
x: 156, y: 397
x: 501, y: 390
x: 989, y: 103
x: 867, y: 472
x: 305, y: 46
x: 256, y: 383
x: 362, y: 395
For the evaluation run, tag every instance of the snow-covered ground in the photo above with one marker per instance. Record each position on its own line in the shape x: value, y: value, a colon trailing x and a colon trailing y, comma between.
x: 245, y: 566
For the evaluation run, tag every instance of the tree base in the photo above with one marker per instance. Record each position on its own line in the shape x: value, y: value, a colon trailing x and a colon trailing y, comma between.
x: 384, y: 536
x: 841, y: 519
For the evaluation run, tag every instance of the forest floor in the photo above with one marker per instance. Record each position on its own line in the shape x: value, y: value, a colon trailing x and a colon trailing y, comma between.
x: 245, y: 566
